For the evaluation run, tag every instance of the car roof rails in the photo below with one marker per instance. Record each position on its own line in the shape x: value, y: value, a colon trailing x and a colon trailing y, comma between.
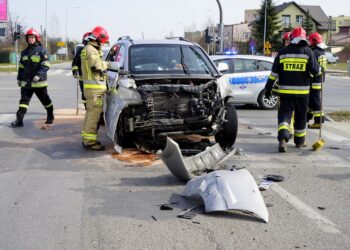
x: 125, y: 38
x: 178, y: 37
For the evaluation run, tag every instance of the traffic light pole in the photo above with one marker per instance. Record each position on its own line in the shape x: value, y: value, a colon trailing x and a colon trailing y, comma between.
x: 16, y: 45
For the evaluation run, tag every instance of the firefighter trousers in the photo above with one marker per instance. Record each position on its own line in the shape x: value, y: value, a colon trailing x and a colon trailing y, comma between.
x: 287, y: 106
x: 26, y: 96
x: 314, y: 110
x: 94, y: 109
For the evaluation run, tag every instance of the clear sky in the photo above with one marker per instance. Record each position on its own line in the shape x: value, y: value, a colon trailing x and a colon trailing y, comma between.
x: 142, y: 18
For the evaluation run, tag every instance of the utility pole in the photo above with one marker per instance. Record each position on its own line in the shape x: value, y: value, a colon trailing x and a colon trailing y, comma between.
x: 221, y: 29
x: 265, y: 27
x: 46, y: 24
x: 16, y: 45
x: 66, y: 20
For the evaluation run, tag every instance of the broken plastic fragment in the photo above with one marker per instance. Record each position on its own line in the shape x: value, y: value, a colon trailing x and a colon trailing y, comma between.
x: 264, y: 184
x: 274, y: 177
x: 223, y: 190
x: 185, y: 169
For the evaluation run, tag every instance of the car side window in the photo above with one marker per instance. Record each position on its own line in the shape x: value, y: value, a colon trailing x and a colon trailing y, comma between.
x: 228, y: 62
x: 251, y: 65
x: 116, y: 54
x: 265, y: 66
x: 239, y: 66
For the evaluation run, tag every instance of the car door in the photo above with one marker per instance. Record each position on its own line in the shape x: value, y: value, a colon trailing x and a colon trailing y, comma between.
x: 248, y: 79
x: 116, y: 54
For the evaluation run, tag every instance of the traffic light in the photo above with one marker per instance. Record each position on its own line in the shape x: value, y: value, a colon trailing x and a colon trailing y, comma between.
x: 208, y: 38
x: 16, y: 35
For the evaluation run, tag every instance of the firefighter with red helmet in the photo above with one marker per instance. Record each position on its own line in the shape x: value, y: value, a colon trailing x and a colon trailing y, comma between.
x: 286, y: 38
x: 76, y: 66
x: 292, y: 67
x: 32, y: 77
x: 314, y: 111
x: 94, y: 80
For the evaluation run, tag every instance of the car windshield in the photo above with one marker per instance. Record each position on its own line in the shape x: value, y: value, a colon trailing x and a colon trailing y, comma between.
x: 169, y: 59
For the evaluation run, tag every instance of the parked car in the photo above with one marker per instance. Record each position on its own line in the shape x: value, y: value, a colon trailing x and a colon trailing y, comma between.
x: 247, y: 75
x: 332, y: 58
x: 166, y: 88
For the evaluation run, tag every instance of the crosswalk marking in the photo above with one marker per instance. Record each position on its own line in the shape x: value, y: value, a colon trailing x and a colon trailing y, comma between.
x: 5, y: 119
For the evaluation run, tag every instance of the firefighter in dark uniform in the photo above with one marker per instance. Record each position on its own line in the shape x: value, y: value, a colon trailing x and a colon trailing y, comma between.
x: 32, y: 77
x: 76, y: 67
x: 292, y: 68
x: 314, y: 111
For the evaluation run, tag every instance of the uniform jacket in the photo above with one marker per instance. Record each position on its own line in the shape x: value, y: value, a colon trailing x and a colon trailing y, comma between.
x: 76, y: 63
x: 93, y: 67
x: 33, y: 62
x: 293, y: 68
x: 322, y: 60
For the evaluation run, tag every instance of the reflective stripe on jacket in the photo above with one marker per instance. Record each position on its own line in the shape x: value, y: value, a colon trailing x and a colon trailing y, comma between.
x: 293, y: 68
x: 92, y: 67
x: 33, y: 62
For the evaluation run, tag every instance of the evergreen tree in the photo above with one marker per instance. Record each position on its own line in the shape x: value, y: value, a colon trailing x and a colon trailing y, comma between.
x: 308, y: 23
x: 273, y: 26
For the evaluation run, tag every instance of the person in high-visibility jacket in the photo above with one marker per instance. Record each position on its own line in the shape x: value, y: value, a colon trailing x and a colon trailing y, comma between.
x: 94, y: 80
x: 32, y: 77
x: 292, y: 68
x: 76, y: 67
x: 314, y: 111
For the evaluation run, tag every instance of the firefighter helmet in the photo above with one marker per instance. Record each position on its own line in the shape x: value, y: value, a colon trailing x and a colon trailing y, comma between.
x: 100, y: 35
x: 33, y: 32
x: 85, y: 37
x: 297, y: 35
x: 286, y: 36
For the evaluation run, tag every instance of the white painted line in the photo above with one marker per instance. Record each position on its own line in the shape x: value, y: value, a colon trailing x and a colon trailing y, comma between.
x: 322, y: 222
x: 331, y: 136
x: 6, y: 118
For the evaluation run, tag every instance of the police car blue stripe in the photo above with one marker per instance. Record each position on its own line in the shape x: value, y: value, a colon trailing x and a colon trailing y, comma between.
x: 247, y: 80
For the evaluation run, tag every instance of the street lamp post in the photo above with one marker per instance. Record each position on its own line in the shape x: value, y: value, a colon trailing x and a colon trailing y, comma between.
x: 265, y: 27
x: 221, y: 36
x: 46, y: 24
x: 66, y: 21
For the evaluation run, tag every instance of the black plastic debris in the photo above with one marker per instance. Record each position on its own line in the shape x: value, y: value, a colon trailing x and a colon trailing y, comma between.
x: 321, y: 208
x: 275, y: 178
x: 154, y: 218
x: 165, y: 207
x: 334, y: 148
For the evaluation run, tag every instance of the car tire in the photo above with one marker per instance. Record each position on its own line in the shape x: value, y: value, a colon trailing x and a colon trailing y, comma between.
x: 227, y: 136
x: 121, y: 137
x: 267, y: 104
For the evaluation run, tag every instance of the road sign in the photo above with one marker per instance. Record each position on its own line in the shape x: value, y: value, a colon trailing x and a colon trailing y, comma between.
x: 61, y: 44
x: 267, y: 45
x: 267, y: 51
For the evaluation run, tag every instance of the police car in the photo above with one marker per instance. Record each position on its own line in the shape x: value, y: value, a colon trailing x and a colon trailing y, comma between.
x: 247, y: 75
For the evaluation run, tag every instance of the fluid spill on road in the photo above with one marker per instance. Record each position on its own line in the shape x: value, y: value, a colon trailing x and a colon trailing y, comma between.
x: 133, y: 155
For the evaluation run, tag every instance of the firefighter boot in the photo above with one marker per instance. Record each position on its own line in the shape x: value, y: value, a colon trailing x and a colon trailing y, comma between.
x: 50, y: 116
x: 314, y: 126
x: 19, y: 121
x: 301, y: 145
x: 282, y: 146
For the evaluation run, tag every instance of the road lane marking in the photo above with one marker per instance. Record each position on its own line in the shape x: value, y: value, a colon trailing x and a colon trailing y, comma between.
x: 5, y: 119
x: 322, y: 222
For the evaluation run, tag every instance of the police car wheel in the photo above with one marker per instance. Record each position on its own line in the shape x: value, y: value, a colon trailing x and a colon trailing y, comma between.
x: 227, y: 136
x: 265, y: 103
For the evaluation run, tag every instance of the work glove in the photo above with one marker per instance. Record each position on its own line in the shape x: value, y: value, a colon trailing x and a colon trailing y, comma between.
x: 75, y: 73
x: 36, y: 78
x: 19, y: 83
x: 268, y: 93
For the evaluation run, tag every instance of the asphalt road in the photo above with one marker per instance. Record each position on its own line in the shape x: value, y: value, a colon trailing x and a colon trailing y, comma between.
x: 54, y: 195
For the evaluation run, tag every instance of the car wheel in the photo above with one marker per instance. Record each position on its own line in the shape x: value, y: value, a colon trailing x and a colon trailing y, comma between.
x: 121, y: 137
x: 265, y: 103
x: 227, y: 136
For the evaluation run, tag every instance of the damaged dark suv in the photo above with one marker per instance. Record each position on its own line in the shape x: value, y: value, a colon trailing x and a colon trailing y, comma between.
x: 166, y: 88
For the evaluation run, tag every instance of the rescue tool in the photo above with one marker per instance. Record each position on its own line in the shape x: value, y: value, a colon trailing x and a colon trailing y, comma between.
x: 77, y: 103
x: 320, y: 142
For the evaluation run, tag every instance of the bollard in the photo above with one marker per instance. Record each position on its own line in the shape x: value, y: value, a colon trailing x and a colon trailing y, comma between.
x: 349, y: 68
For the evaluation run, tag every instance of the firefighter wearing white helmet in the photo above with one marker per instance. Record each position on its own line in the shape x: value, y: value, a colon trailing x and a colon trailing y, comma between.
x: 314, y: 111
x: 32, y: 77
x: 94, y: 80
x: 292, y: 68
